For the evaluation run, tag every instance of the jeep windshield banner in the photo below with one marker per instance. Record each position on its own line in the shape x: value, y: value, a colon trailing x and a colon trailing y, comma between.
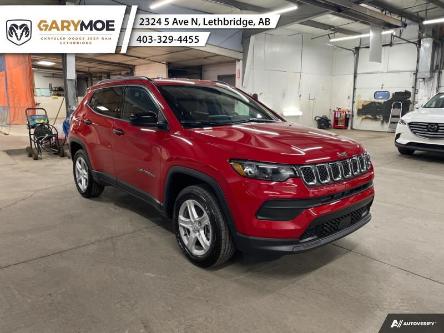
x: 101, y: 29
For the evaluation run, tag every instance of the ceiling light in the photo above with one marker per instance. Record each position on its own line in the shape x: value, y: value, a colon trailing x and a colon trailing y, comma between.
x: 282, y: 10
x: 45, y: 63
x: 160, y: 3
x: 438, y: 20
x: 386, y: 32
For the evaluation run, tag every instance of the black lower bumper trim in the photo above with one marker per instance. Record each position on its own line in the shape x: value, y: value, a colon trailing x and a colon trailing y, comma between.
x: 421, y: 146
x: 288, y: 246
x: 288, y: 209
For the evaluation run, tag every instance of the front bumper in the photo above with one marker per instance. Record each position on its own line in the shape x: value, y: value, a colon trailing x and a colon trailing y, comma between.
x: 404, y: 138
x: 332, y: 227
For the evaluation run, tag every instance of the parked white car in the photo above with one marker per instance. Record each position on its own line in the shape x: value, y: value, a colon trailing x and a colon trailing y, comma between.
x: 422, y: 129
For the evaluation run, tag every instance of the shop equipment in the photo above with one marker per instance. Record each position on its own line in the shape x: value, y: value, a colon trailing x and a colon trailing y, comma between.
x: 42, y: 135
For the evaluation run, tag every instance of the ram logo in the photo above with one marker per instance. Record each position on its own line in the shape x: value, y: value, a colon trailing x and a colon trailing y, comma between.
x: 18, y: 31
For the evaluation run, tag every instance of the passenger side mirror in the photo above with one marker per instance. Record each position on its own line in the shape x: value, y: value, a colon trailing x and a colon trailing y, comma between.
x: 148, y: 119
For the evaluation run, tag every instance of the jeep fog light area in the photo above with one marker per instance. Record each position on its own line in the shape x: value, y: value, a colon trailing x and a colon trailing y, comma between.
x: 230, y: 173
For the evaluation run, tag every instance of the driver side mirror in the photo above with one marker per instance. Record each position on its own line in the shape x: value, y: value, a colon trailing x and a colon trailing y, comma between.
x: 149, y: 119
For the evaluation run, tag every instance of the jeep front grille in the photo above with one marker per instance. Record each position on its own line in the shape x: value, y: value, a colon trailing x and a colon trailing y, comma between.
x: 327, y: 173
x: 428, y: 130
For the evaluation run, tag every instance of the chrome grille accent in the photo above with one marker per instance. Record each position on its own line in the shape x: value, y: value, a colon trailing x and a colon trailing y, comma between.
x: 308, y: 175
x: 336, y: 173
x: 425, y: 130
x: 326, y: 173
x: 354, y: 165
x: 346, y: 169
x: 362, y: 163
x: 323, y: 173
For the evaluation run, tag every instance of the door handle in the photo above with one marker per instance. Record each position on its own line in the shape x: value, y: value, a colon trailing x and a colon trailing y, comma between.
x: 87, y: 122
x: 118, y: 131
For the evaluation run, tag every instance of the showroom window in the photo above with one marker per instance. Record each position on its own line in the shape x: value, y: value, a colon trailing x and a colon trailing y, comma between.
x: 107, y: 101
x: 137, y: 101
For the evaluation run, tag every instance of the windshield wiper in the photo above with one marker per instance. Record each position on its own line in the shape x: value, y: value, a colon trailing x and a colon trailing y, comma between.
x: 262, y: 120
x: 195, y: 123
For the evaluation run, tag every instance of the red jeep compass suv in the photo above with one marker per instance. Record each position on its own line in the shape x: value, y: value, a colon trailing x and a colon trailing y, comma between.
x: 228, y: 171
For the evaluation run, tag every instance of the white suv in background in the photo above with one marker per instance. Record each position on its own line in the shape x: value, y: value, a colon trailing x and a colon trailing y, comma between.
x: 422, y: 129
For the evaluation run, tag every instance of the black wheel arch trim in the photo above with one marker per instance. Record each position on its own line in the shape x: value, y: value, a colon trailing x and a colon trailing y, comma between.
x: 79, y: 142
x: 210, y: 181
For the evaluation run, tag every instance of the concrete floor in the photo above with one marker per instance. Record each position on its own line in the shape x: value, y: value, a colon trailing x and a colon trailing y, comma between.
x: 69, y: 264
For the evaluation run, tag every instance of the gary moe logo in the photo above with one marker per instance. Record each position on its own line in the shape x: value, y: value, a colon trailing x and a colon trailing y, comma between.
x: 18, y: 31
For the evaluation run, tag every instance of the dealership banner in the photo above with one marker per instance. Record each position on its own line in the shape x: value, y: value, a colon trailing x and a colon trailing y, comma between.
x: 60, y: 29
x: 101, y: 29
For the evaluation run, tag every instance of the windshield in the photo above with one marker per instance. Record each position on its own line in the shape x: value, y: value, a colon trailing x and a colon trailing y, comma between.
x: 196, y: 106
x: 436, y: 101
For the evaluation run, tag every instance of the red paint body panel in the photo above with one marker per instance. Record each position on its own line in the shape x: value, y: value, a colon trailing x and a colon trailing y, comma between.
x: 208, y: 150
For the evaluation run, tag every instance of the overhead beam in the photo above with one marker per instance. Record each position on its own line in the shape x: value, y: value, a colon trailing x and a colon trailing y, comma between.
x: 368, y: 12
x: 438, y: 3
x: 395, y: 10
x: 328, y: 27
x: 105, y: 62
x: 240, y: 5
x: 304, y: 13
x: 355, y: 12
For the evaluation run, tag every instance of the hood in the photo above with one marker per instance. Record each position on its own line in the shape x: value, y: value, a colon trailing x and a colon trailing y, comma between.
x: 426, y: 115
x: 280, y: 142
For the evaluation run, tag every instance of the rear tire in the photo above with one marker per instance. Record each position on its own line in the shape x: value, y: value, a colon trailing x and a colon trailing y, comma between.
x: 85, y: 183
x: 406, y: 151
x: 207, y: 228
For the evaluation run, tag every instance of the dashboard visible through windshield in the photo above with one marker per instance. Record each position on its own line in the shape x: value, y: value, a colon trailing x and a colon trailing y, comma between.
x: 196, y: 106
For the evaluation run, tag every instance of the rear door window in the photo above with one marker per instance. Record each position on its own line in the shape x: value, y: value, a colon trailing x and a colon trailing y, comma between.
x: 108, y: 101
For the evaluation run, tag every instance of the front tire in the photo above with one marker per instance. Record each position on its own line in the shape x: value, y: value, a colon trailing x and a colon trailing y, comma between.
x: 200, y: 227
x: 85, y: 183
x: 405, y: 151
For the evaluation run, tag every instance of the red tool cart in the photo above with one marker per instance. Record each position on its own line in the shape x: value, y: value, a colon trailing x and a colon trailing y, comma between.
x: 341, y: 118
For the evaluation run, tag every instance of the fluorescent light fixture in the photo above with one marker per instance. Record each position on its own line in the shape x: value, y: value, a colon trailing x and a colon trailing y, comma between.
x: 282, y: 10
x: 386, y: 32
x: 45, y: 63
x: 437, y: 20
x: 160, y: 3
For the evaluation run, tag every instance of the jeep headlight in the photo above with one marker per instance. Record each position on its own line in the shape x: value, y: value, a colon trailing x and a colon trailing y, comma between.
x: 402, y: 122
x: 264, y: 171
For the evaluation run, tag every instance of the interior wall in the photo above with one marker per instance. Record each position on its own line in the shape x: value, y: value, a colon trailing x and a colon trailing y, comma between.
x: 210, y: 72
x: 300, y: 77
x: 342, y: 79
x: 43, y: 78
x: 394, y: 74
x: 153, y: 70
x: 291, y: 74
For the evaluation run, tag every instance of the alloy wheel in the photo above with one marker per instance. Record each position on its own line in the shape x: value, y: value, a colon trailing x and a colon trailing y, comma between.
x: 81, y: 174
x: 195, y: 227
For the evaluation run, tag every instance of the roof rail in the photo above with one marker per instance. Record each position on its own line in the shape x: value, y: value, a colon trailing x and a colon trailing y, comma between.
x: 124, y: 78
